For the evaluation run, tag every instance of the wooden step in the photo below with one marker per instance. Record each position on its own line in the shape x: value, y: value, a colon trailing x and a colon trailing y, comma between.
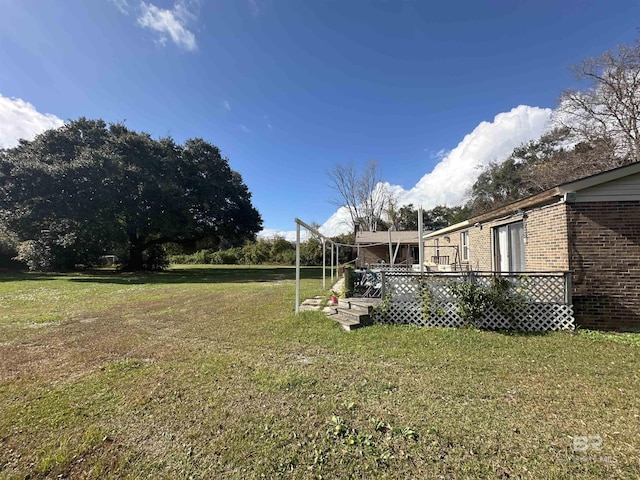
x: 359, y: 304
x: 351, y: 316
x: 347, y: 324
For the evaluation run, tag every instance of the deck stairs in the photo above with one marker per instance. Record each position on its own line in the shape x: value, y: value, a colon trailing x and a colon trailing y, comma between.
x: 352, y: 313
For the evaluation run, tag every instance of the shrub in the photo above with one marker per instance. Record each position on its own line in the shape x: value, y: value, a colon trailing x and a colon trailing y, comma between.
x: 155, y: 258
x: 36, y: 254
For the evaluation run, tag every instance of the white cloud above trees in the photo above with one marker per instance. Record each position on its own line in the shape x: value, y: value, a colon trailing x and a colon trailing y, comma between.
x: 20, y: 119
x: 169, y: 24
x: 450, y: 180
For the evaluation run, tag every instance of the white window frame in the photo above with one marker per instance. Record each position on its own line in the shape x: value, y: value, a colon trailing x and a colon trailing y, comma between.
x: 507, y: 258
x: 464, y: 245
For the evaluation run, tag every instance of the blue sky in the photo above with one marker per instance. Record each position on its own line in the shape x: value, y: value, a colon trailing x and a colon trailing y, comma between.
x: 289, y: 88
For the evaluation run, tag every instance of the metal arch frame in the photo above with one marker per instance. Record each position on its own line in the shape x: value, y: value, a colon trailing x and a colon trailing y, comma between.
x: 300, y: 223
x: 336, y: 246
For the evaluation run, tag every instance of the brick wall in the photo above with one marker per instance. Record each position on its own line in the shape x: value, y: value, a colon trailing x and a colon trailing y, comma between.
x: 480, y: 256
x: 480, y: 248
x: 546, y: 248
x: 372, y: 255
x: 604, y: 255
x: 449, y: 243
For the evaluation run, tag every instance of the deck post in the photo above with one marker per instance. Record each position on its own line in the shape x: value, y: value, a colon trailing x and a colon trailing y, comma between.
x: 567, y: 288
x: 324, y: 263
x: 420, y: 242
x: 332, y: 248
x: 297, y: 268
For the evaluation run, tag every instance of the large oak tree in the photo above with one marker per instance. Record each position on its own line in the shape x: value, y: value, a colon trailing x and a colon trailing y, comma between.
x: 88, y: 188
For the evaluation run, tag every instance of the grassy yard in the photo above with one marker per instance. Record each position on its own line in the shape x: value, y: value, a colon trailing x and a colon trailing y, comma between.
x: 207, y: 373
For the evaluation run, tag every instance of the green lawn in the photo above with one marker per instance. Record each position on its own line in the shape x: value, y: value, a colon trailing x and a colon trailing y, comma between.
x: 207, y: 373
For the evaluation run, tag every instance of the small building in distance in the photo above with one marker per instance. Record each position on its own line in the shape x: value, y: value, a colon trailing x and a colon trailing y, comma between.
x: 377, y: 248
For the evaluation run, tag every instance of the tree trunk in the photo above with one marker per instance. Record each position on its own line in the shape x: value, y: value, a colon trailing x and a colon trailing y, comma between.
x: 136, y: 261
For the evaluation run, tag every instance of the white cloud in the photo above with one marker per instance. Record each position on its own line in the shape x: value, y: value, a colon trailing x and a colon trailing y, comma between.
x: 169, y: 23
x: 440, y: 154
x: 227, y: 105
x: 20, y: 119
x: 451, y: 179
x: 494, y: 141
x: 122, y: 5
x: 339, y: 222
x: 289, y: 235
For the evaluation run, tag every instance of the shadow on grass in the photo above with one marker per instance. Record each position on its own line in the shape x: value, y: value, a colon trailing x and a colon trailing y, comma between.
x: 521, y: 333
x: 222, y: 274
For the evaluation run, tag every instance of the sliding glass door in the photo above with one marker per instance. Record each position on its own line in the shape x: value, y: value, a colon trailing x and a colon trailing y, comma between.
x: 509, y: 248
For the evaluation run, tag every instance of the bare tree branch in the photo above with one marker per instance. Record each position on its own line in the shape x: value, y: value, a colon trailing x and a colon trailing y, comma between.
x: 609, y: 108
x: 362, y: 193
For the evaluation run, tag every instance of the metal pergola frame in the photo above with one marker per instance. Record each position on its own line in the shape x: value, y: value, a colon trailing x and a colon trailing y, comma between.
x: 335, y: 248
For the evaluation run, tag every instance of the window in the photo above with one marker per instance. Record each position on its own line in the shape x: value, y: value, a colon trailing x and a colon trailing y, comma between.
x: 509, y: 247
x: 414, y: 254
x: 464, y: 246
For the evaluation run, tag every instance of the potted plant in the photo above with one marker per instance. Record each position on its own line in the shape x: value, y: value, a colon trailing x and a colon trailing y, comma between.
x: 334, y: 297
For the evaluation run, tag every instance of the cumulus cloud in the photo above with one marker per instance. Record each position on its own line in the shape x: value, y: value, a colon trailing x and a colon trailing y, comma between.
x: 339, y: 222
x: 20, y: 119
x: 451, y: 179
x: 489, y: 142
x: 169, y: 24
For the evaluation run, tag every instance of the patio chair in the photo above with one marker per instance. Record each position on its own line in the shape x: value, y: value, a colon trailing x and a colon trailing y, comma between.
x: 372, y: 284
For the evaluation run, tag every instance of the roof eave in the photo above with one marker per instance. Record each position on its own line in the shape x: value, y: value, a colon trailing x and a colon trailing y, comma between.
x: 542, y: 198
x: 600, y: 178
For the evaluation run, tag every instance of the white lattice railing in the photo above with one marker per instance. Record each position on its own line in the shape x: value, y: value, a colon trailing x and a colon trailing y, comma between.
x: 532, y: 301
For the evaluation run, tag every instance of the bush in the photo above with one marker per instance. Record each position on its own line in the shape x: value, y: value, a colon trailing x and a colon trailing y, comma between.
x: 155, y: 258
x: 9, y: 251
x: 232, y: 256
x: 179, y: 258
x: 36, y: 254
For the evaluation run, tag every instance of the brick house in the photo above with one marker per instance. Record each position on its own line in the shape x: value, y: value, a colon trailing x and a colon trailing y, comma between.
x: 589, y: 227
x: 373, y: 248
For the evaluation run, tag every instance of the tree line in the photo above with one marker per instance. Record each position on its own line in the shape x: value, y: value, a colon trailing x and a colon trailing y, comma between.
x: 277, y: 250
